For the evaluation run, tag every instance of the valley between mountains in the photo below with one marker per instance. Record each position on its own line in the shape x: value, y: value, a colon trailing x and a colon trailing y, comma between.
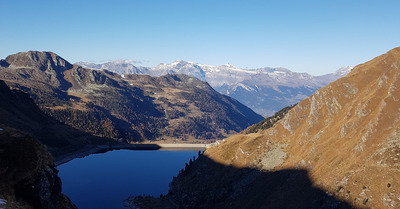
x: 337, y: 148
x: 52, y: 111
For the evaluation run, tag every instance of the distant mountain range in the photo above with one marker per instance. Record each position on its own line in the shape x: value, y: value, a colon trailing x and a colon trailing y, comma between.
x: 125, y: 108
x: 265, y: 90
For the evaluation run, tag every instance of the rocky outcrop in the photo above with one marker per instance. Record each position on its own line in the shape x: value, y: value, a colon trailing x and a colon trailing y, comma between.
x: 28, y: 177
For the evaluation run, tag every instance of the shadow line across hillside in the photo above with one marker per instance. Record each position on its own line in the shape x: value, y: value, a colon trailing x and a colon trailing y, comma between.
x: 208, y: 184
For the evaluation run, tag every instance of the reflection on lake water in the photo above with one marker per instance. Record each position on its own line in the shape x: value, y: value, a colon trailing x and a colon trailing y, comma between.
x: 105, y: 180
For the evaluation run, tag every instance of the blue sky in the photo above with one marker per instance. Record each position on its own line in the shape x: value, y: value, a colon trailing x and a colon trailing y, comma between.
x: 317, y: 37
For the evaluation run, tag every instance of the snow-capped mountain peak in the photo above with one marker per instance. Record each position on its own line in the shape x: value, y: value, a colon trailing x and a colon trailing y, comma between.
x: 181, y: 62
x: 343, y: 70
x: 228, y: 65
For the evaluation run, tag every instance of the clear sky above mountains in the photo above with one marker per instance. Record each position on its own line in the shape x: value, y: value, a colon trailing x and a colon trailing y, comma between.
x: 317, y: 37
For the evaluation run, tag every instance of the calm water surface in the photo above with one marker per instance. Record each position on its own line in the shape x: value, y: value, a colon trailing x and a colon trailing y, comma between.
x: 105, y: 180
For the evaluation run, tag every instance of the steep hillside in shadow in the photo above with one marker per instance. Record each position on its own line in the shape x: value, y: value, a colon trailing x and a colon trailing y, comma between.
x: 132, y: 108
x: 19, y: 113
x: 346, y: 137
x: 208, y: 184
x: 28, y: 177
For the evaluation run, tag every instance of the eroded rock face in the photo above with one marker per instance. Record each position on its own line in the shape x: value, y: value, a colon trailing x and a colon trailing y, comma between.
x: 45, y: 191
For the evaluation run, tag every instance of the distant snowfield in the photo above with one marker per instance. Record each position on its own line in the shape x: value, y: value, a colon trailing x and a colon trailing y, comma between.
x: 265, y: 90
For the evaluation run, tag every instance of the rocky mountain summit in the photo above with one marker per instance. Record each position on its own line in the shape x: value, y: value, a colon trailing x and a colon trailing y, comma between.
x: 125, y: 108
x: 265, y: 90
x: 344, y: 140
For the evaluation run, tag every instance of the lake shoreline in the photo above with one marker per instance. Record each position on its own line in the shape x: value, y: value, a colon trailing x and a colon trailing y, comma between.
x: 145, y: 146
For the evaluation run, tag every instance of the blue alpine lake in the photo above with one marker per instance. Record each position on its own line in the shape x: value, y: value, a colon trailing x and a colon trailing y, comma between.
x: 105, y: 180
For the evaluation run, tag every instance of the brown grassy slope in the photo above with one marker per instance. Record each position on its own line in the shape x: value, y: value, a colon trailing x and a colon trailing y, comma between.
x: 347, y: 135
